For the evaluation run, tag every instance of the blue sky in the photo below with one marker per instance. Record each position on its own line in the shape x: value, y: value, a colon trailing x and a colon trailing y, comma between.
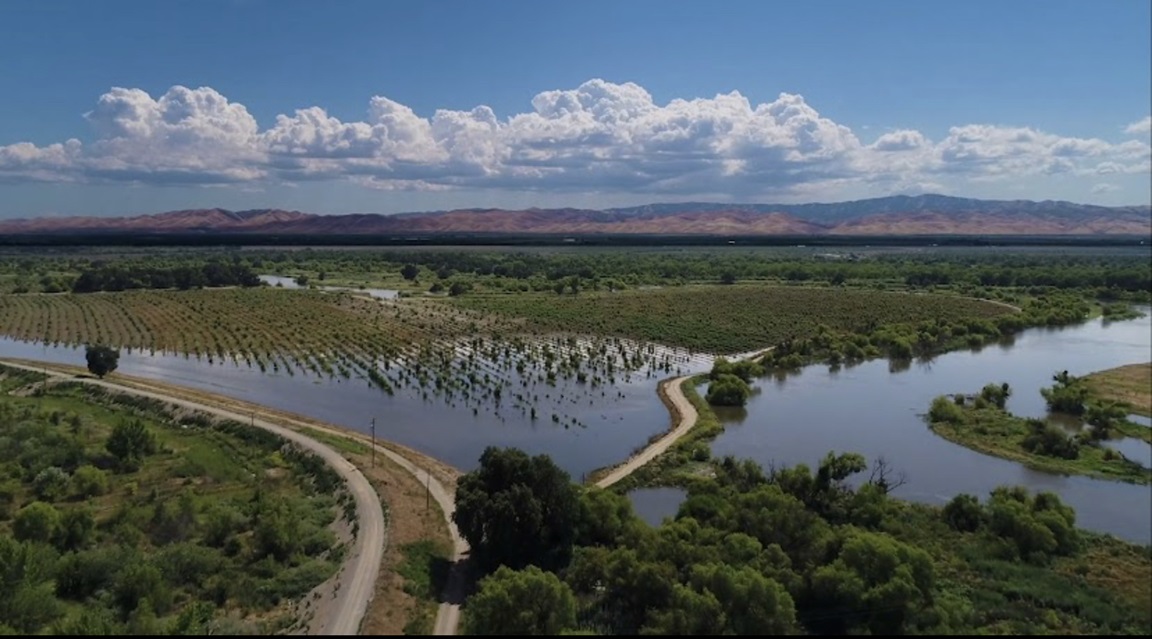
x: 119, y: 107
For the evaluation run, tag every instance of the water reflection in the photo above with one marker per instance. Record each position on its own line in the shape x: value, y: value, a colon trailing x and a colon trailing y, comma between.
x: 870, y: 409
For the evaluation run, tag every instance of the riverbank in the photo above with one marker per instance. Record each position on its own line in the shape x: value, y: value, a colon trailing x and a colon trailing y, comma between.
x: 979, y: 424
x: 1129, y: 385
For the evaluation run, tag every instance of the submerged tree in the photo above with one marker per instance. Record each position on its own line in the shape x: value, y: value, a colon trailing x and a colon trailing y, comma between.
x: 102, y: 360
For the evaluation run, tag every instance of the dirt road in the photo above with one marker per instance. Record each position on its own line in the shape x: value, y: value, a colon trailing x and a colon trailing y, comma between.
x: 357, y: 576
x: 686, y: 419
x: 683, y: 412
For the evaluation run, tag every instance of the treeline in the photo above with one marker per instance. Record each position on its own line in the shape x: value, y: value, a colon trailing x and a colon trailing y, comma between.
x: 1129, y: 272
x: 903, y: 341
x: 790, y: 551
x: 120, y: 277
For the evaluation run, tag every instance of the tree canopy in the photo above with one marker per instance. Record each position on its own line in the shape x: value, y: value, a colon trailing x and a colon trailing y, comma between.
x: 102, y: 360
x: 517, y: 510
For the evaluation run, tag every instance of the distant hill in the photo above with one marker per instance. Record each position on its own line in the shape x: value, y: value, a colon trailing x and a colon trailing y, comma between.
x: 897, y: 215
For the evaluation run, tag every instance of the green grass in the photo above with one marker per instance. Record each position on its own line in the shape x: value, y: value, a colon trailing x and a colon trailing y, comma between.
x: 425, y: 572
x: 725, y: 319
x: 338, y: 442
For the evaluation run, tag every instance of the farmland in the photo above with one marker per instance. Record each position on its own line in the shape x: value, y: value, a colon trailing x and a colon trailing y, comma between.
x: 262, y: 327
x: 727, y: 319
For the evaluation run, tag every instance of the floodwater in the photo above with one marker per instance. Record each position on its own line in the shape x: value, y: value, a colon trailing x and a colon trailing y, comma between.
x: 877, y: 409
x: 594, y: 426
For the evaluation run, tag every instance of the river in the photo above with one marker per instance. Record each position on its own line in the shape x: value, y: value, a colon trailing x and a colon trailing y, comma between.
x: 877, y: 410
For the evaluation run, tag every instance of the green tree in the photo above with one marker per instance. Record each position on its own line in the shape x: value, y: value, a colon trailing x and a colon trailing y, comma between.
x: 102, y: 360
x: 877, y: 583
x: 520, y: 602
x: 37, y: 521
x: 605, y: 519
x: 517, y: 510
x: 409, y: 272
x: 76, y: 528
x: 26, y: 601
x: 50, y: 484
x: 964, y: 513
x: 753, y: 604
x: 130, y: 442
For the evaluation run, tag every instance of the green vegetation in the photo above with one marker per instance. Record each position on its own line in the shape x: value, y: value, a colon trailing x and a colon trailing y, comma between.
x: 425, y: 572
x: 728, y: 319
x: 117, y: 277
x: 516, y: 510
x: 980, y: 422
x: 521, y: 602
x: 1103, y: 407
x: 118, y: 516
x: 796, y: 551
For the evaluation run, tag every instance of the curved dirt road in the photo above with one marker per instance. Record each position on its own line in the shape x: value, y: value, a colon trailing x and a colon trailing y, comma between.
x: 357, y: 576
x: 687, y: 419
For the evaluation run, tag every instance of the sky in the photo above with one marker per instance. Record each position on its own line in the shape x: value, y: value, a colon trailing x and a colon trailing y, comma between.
x: 126, y: 107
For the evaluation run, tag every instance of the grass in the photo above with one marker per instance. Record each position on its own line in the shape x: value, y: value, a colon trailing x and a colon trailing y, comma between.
x: 425, y: 571
x: 725, y: 319
x: 993, y: 431
x: 1130, y: 385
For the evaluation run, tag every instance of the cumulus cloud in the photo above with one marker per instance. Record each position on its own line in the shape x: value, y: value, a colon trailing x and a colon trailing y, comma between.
x: 1140, y: 127
x: 598, y: 137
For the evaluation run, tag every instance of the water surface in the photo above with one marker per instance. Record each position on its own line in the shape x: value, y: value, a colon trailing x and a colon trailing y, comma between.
x: 877, y: 409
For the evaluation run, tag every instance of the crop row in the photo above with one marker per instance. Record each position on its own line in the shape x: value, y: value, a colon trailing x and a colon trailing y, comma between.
x: 726, y: 319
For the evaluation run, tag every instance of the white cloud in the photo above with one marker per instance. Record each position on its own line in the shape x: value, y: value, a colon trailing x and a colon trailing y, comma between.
x: 1104, y: 187
x: 1140, y: 127
x: 599, y: 137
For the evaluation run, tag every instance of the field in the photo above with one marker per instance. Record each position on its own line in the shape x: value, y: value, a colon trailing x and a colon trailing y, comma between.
x: 726, y: 319
x: 1130, y: 385
x: 124, y: 517
x: 263, y: 327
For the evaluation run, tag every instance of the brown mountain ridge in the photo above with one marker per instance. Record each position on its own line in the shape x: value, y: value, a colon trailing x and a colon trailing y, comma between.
x: 898, y: 215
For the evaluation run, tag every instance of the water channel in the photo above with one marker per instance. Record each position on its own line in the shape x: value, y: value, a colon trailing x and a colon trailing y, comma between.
x: 877, y: 410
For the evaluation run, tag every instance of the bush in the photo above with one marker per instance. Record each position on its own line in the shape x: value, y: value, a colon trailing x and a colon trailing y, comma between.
x: 728, y: 390
x: 964, y: 513
x: 1048, y: 440
x: 89, y: 481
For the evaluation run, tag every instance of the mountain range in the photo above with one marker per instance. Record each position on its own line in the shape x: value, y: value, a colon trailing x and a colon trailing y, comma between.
x: 896, y: 215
